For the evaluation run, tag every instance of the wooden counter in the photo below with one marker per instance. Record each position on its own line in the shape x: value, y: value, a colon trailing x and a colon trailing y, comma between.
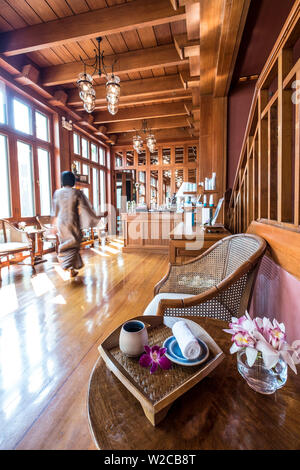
x: 187, y: 242
x: 149, y: 230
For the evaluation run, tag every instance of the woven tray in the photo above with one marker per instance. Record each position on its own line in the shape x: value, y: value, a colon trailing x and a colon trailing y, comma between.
x: 158, y: 391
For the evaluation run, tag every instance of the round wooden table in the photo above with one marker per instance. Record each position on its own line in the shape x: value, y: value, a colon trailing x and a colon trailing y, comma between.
x: 220, y: 412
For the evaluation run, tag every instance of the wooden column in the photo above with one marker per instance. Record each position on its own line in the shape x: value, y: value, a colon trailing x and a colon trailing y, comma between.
x: 212, y: 140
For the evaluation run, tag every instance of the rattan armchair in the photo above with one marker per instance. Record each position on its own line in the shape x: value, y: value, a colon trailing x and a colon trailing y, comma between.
x: 15, y: 245
x: 219, y: 282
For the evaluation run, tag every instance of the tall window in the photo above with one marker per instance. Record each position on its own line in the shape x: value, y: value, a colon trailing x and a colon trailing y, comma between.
x: 42, y: 126
x: 76, y: 143
x: 25, y: 156
x: 94, y: 153
x: 26, y: 179
x: 96, y: 190
x: 5, y: 208
x: 102, y: 156
x: 85, y: 148
x: 22, y: 116
x: 102, y: 191
x: 2, y: 104
x: 89, y: 158
x: 44, y: 181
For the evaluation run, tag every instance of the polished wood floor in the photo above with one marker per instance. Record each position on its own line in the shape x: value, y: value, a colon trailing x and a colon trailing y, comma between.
x: 50, y: 328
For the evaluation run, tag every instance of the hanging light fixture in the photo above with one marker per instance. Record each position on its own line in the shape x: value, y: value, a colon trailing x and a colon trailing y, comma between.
x: 138, y: 143
x: 150, y: 139
x: 85, y: 83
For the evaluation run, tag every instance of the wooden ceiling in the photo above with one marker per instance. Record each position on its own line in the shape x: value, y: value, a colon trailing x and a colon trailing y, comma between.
x: 167, y: 51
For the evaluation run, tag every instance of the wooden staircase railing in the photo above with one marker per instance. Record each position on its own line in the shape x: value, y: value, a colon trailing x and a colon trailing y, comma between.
x: 267, y: 182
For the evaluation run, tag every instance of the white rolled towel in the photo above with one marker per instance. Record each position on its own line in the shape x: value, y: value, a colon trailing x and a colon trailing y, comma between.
x: 187, y: 342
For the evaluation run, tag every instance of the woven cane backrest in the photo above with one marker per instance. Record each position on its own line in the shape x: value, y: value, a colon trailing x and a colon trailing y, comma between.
x: 240, y: 250
x: 199, y: 275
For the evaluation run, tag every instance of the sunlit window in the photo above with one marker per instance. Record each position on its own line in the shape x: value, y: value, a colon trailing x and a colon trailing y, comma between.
x: 77, y: 165
x: 45, y: 181
x: 94, y: 153
x: 5, y: 208
x: 86, y: 170
x: 85, y: 148
x: 76, y: 143
x: 96, y: 189
x: 42, y: 126
x: 22, y: 116
x: 102, y: 191
x: 86, y: 192
x: 102, y: 156
x: 26, y: 179
x: 2, y: 104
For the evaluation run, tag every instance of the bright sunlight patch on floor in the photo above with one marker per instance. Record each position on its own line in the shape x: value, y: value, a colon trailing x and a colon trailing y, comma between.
x: 65, y: 275
x: 114, y: 251
x: 42, y: 284
x: 59, y: 300
x: 99, y: 252
x: 8, y: 299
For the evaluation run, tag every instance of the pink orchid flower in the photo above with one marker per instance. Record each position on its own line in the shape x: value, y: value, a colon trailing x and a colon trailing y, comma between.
x: 154, y: 357
x: 263, y: 336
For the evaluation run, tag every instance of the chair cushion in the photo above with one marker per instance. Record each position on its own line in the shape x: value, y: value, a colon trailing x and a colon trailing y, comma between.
x: 151, y: 308
x: 10, y: 247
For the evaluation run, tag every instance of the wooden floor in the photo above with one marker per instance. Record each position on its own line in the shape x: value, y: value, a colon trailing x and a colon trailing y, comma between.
x: 50, y: 328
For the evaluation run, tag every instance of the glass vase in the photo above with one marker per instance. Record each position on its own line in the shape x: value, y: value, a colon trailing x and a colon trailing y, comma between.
x: 260, y: 378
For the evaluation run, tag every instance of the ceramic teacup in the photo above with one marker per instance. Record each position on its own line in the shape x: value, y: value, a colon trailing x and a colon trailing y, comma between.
x: 133, y: 338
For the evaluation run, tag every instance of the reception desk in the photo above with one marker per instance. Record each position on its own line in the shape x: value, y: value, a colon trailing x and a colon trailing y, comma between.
x: 149, y: 230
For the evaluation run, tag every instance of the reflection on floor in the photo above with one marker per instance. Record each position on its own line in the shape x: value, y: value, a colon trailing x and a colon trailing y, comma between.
x: 50, y: 329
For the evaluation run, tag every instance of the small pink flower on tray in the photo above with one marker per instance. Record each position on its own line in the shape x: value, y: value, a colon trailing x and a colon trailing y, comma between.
x: 154, y: 357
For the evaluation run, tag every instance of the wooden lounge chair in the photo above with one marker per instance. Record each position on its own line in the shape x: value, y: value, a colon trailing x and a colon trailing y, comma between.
x: 15, y: 245
x: 217, y: 284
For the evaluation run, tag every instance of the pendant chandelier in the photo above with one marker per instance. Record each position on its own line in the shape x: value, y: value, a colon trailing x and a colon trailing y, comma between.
x: 150, y: 139
x: 85, y: 84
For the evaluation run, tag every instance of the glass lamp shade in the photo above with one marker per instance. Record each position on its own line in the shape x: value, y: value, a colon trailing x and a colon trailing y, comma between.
x: 151, y: 141
x: 89, y: 107
x: 85, y: 82
x: 89, y: 102
x: 113, y: 89
x: 112, y: 108
x: 137, y: 143
x: 87, y: 96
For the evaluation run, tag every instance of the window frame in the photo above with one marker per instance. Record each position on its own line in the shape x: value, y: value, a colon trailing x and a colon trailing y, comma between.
x: 13, y: 135
x: 91, y: 165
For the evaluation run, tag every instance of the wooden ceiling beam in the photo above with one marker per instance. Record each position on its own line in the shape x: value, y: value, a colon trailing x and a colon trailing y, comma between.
x: 186, y: 48
x: 162, y: 135
x: 169, y: 122
x: 102, y: 22
x: 128, y: 62
x: 188, y: 81
x: 129, y: 101
x: 235, y: 14
x: 141, y: 112
x: 132, y: 89
x: 211, y: 16
x: 192, y: 9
